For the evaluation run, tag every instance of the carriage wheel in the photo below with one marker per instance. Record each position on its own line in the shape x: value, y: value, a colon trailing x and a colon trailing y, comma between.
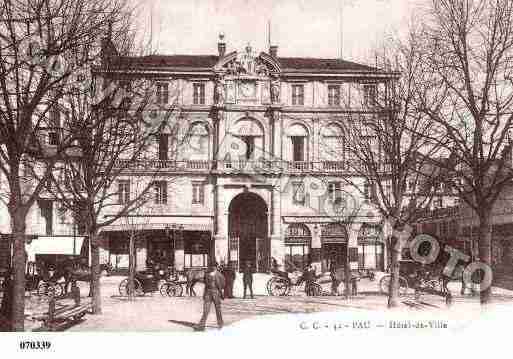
x: 123, y: 287
x: 384, y: 284
x: 163, y: 289
x: 174, y: 290
x: 42, y: 288
x: 279, y: 286
x: 57, y: 289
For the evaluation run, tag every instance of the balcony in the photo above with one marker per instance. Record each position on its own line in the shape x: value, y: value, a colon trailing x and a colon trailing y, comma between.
x: 165, y: 165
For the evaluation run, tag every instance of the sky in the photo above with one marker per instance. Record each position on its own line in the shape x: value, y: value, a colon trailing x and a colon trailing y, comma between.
x: 307, y: 28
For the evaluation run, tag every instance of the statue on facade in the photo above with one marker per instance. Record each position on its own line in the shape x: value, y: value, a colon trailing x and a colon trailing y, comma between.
x: 219, y: 93
x: 275, y: 89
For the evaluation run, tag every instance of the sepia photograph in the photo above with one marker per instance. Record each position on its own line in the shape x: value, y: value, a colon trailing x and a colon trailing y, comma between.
x: 329, y: 168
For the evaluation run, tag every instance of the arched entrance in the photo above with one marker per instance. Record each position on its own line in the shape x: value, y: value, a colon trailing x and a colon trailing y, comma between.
x: 334, y: 246
x: 247, y: 223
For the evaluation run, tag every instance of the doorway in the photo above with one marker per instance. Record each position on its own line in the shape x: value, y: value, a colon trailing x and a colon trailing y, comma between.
x: 248, y: 228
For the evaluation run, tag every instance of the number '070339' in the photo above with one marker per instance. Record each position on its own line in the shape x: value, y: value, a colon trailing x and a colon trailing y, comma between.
x: 35, y: 345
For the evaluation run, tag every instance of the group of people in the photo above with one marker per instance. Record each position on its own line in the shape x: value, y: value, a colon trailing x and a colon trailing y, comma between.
x: 219, y: 281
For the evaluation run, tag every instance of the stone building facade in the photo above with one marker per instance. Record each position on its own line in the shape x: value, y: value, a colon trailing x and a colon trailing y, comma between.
x: 262, y: 176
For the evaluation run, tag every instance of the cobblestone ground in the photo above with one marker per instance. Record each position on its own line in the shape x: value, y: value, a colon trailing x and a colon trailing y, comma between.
x: 152, y: 312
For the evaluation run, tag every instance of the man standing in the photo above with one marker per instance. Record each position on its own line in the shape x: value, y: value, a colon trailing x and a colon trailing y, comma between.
x: 247, y: 278
x: 214, y: 285
x: 229, y: 278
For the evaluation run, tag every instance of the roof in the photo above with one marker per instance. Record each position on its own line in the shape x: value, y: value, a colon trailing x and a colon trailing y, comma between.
x: 310, y: 63
x: 209, y: 61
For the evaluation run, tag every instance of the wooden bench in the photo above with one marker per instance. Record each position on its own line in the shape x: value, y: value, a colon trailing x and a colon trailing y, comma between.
x: 63, y: 318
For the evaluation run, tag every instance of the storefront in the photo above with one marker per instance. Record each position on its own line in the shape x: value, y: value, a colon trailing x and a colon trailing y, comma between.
x: 370, y: 248
x: 334, y: 241
x: 297, y: 246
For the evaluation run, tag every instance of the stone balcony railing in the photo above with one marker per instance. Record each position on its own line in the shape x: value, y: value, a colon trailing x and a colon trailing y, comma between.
x: 241, y: 166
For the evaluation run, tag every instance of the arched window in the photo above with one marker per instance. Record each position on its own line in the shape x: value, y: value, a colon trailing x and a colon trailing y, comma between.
x: 332, y: 144
x: 297, y: 137
x: 297, y: 246
x: 252, y: 134
x: 198, y: 141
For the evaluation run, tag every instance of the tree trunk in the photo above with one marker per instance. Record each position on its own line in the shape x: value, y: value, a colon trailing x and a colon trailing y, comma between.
x: 485, y: 250
x: 131, y: 267
x: 393, y: 289
x: 19, y: 259
x: 95, y: 273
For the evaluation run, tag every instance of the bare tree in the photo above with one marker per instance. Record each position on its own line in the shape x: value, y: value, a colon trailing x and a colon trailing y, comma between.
x: 42, y: 43
x: 386, y: 149
x: 115, y: 138
x: 467, y: 50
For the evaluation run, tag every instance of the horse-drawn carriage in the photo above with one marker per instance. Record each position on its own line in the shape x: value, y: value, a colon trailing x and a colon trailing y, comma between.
x: 149, y: 281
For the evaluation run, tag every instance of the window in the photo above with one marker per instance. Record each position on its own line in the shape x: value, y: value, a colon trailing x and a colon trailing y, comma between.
x: 298, y: 148
x: 162, y: 93
x: 198, y: 193
x: 298, y: 193
x: 250, y: 145
x: 297, y: 247
x: 298, y: 95
x: 163, y: 143
x: 123, y: 191
x: 367, y: 190
x: 46, y: 207
x: 54, y: 126
x: 160, y: 190
x: 333, y: 95
x: 335, y: 191
x: 198, y: 93
x: 369, y: 95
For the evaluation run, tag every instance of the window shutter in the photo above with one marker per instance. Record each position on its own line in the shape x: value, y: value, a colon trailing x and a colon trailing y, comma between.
x: 164, y: 192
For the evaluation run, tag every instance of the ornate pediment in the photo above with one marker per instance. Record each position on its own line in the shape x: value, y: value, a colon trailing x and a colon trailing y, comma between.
x: 247, y: 64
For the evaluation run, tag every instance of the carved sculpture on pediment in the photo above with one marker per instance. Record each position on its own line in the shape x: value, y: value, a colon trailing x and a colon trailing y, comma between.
x: 275, y: 89
x: 260, y: 68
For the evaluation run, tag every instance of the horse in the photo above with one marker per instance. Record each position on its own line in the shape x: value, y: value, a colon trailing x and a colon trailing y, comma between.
x: 193, y: 276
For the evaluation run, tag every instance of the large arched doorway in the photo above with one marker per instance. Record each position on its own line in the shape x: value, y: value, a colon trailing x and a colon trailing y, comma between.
x: 247, y: 223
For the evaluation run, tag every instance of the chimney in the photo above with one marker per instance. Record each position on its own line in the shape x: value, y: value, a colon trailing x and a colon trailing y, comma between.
x: 221, y: 45
x: 273, y: 51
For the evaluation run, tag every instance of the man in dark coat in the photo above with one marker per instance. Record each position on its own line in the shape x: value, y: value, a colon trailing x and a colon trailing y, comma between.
x: 229, y: 278
x: 214, y: 285
x: 309, y: 278
x: 247, y: 278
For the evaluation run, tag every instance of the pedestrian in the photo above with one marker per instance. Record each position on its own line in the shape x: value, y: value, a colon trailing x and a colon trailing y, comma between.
x: 214, y: 285
x: 6, y: 306
x: 247, y: 278
x: 335, y: 281
x: 354, y: 283
x: 309, y: 278
x: 229, y: 278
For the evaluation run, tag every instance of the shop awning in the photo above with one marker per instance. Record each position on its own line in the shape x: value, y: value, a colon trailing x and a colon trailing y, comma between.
x: 160, y: 223
x: 54, y: 245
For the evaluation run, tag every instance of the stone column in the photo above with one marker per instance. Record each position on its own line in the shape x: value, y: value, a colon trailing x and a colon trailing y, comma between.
x: 352, y: 246
x: 179, y: 257
x: 316, y: 247
x: 277, y: 244
x: 221, y: 236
